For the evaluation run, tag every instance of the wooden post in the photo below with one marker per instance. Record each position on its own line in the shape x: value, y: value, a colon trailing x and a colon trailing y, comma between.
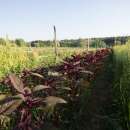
x: 7, y: 39
x: 55, y: 44
x: 88, y: 44
x: 115, y: 41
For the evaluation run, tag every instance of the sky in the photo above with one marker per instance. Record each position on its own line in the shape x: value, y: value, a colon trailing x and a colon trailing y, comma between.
x: 34, y: 19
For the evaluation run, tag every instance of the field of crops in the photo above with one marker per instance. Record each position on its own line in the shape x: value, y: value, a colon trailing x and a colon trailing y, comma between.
x: 79, y: 87
x: 122, y: 82
x: 64, y: 65
x: 53, y: 86
x: 15, y: 59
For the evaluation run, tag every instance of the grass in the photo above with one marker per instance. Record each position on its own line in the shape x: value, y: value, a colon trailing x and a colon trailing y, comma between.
x: 15, y: 59
x: 122, y: 81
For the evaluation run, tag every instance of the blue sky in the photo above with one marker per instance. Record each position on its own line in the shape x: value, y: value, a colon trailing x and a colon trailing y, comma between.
x: 34, y: 19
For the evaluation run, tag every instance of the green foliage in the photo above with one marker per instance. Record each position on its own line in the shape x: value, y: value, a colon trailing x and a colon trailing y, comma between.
x: 81, y: 42
x: 122, y: 84
x: 40, y: 43
x: 20, y: 42
x: 69, y: 43
x: 98, y: 44
x: 2, y: 42
x: 15, y: 59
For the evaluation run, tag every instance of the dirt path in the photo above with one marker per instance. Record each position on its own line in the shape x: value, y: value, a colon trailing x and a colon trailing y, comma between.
x: 100, y: 108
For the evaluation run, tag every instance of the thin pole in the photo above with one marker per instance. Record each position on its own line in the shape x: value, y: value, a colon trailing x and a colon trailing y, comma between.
x: 7, y: 39
x: 55, y: 44
x: 115, y: 41
x: 88, y: 44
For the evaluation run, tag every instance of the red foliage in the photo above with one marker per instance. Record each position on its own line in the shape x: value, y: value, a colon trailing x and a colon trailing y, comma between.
x: 72, y: 70
x: 70, y: 67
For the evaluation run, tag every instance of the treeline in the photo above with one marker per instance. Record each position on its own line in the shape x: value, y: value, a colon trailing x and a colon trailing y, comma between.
x: 17, y: 42
x: 93, y: 42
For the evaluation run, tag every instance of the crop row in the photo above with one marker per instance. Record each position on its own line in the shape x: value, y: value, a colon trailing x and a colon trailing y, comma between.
x: 122, y: 83
x: 15, y: 59
x: 35, y: 93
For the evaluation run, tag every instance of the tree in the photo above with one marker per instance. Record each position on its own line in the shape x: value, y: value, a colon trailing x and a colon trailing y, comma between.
x: 97, y: 43
x: 2, y: 42
x: 20, y: 42
x: 82, y: 43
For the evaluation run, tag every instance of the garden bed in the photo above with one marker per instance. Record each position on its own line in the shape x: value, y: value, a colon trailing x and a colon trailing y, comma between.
x: 64, y: 83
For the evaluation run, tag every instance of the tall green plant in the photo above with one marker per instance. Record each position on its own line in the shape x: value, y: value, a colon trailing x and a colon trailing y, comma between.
x: 122, y: 82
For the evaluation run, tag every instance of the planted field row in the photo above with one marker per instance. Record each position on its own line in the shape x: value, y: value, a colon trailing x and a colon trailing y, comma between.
x: 15, y: 59
x: 122, y: 83
x: 29, y: 100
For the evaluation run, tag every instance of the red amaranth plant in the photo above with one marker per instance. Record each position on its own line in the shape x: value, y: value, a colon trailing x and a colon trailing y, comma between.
x: 83, y: 66
x: 24, y: 100
x: 66, y: 80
